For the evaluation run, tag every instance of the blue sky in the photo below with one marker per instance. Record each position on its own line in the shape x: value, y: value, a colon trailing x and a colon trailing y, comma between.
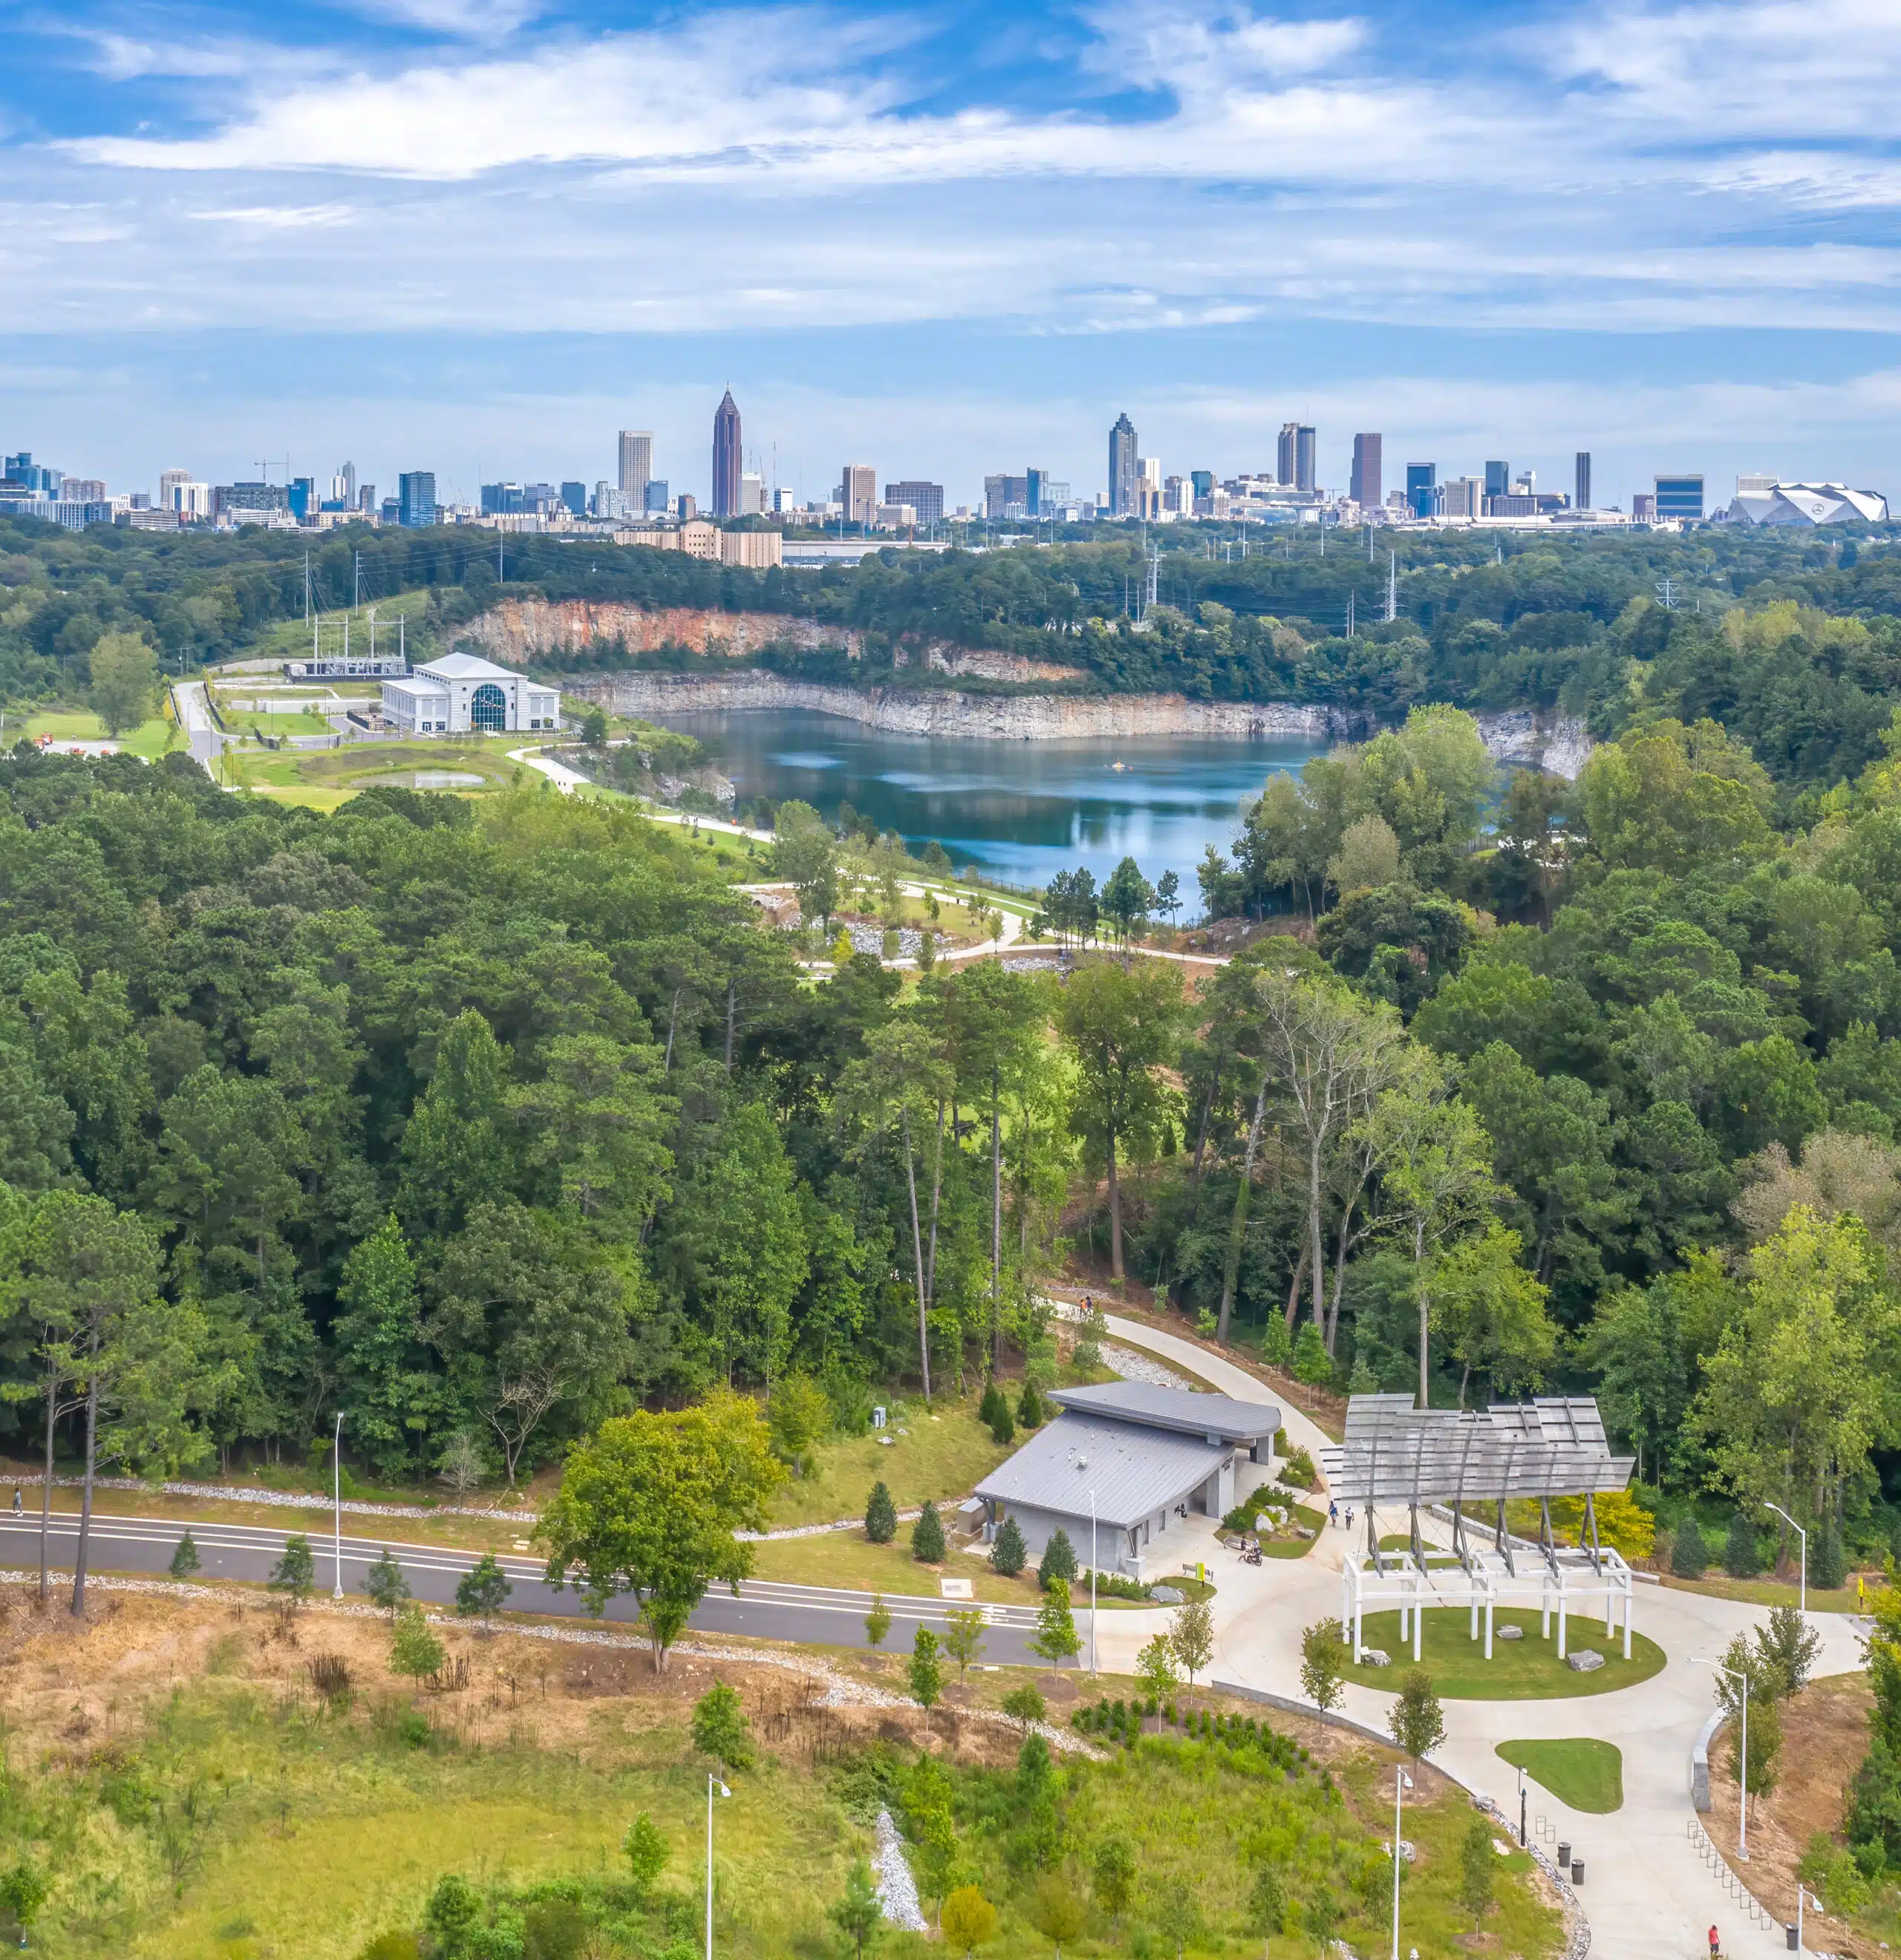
x: 479, y: 236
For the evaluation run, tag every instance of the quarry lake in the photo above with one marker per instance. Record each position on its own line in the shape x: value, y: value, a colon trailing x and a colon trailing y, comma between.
x: 1018, y: 810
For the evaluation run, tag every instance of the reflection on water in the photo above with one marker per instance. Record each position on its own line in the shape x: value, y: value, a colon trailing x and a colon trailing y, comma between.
x: 1021, y: 810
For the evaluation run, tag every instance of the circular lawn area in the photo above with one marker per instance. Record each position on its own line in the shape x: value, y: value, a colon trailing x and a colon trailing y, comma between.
x: 1521, y: 1670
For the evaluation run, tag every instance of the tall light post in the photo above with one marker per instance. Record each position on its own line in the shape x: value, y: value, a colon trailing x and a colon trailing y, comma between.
x: 336, y: 1501
x: 1521, y: 1810
x: 1805, y: 1537
x: 712, y: 1784
x: 1743, y: 1759
x: 1802, y: 1894
x: 1402, y: 1784
x: 1092, y: 1578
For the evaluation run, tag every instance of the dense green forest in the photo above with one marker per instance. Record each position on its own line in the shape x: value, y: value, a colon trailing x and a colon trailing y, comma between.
x: 487, y: 1119
x: 1575, y: 623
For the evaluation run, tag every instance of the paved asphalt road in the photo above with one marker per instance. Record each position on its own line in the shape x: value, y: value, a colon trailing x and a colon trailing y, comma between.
x: 766, y: 1609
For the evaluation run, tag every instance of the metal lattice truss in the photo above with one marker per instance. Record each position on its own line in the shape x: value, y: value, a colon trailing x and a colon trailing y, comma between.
x: 1450, y: 1461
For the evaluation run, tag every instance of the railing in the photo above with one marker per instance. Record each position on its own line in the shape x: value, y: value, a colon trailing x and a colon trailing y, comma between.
x: 1701, y: 1844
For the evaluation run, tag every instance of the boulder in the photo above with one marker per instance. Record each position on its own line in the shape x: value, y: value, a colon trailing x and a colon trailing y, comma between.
x: 1586, y: 1660
x: 1511, y: 1633
x: 1375, y: 1657
x: 1165, y: 1595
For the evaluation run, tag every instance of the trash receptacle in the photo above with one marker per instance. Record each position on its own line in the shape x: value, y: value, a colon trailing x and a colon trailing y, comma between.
x: 1578, y: 1873
x: 1563, y: 1853
x: 1794, y: 1938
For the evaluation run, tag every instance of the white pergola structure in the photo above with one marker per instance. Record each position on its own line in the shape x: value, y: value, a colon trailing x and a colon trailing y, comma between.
x: 1451, y: 1459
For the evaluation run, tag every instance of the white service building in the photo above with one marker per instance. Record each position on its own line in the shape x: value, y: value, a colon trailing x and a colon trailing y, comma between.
x: 462, y: 694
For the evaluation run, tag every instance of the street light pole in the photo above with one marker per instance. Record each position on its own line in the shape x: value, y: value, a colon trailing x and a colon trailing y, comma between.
x: 1801, y: 1893
x: 712, y: 1784
x: 1521, y: 1810
x: 1741, y: 1760
x: 336, y: 1499
x: 1401, y: 1784
x: 1805, y: 1537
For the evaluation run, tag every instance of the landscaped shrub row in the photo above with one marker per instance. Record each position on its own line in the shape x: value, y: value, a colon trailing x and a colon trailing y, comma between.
x: 1121, y: 1721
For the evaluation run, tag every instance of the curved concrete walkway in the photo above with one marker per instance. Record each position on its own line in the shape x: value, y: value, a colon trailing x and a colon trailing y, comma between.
x: 1647, y: 1894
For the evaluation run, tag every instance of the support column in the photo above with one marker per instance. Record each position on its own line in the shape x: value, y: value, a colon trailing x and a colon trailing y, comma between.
x: 1419, y: 1621
x: 1628, y: 1589
x: 1488, y: 1626
x: 1544, y: 1609
x: 1560, y: 1619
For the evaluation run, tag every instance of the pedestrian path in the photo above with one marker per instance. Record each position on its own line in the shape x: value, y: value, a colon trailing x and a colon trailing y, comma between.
x: 1650, y: 1892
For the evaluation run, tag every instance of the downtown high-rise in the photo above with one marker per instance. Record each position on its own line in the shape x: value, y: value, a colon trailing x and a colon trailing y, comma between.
x: 728, y: 467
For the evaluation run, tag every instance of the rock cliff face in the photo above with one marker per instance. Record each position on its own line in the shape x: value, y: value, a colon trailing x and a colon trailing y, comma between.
x: 532, y: 630
x: 1561, y: 746
x: 1018, y: 717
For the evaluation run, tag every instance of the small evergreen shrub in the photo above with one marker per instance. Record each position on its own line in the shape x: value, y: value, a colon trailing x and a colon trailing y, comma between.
x: 927, y: 1536
x: 1741, y: 1559
x: 1689, y: 1555
x: 1058, y: 1560
x: 880, y: 1515
x: 1008, y: 1554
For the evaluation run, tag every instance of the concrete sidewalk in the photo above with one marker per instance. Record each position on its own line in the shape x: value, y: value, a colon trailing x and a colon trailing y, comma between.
x: 1647, y: 1893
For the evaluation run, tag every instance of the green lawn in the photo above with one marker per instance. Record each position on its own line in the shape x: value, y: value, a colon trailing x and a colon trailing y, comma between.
x: 340, y: 773
x: 1526, y: 1670
x: 1773, y: 1593
x: 301, y: 723
x: 1296, y: 1548
x: 149, y: 738
x: 943, y: 1450
x: 1578, y: 1770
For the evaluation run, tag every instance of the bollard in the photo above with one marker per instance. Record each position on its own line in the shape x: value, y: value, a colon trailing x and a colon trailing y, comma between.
x: 1576, y: 1873
x: 1563, y: 1853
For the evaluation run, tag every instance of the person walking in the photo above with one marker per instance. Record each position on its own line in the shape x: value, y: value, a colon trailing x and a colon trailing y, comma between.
x: 1333, y: 1511
x: 1715, y: 1945
x: 16, y: 1500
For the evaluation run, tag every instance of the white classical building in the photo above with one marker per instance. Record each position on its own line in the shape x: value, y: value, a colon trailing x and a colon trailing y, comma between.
x: 462, y: 694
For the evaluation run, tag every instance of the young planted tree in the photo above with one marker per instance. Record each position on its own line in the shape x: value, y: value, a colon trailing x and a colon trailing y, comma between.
x: 963, y: 1637
x: 414, y: 1649
x: 877, y: 1622
x: 1056, y: 1639
x: 295, y: 1575
x: 1114, y: 1878
x: 1058, y: 1560
x: 647, y: 1851
x: 927, y: 1536
x: 1155, y: 1667
x: 967, y: 1921
x: 880, y: 1515
x: 649, y: 1505
x: 1178, y: 1917
x: 1689, y: 1553
x: 1477, y: 1867
x: 926, y: 1672
x: 1267, y: 1904
x: 185, y: 1562
x: 1417, y: 1721
x: 1323, y: 1662
x: 1008, y: 1553
x: 720, y: 1727
x: 1121, y: 1023
x: 384, y: 1585
x: 482, y: 1590
x: 1056, y: 1911
x: 1191, y: 1633
x: 859, y: 1915
x: 1025, y: 1705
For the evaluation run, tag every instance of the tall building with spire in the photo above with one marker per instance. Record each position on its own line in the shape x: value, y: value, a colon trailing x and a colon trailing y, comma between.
x: 726, y: 466
x: 1123, y: 470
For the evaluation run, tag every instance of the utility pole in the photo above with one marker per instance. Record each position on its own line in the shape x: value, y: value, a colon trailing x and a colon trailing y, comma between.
x: 1393, y: 585
x: 1349, y: 614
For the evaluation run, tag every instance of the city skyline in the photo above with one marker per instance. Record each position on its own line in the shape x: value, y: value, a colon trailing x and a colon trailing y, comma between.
x: 1674, y: 272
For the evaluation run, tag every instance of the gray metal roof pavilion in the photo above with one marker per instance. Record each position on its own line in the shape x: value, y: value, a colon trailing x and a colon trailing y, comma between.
x: 1185, y: 1411
x: 1133, y: 1471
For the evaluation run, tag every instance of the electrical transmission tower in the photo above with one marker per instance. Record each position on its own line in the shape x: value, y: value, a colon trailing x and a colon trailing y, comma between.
x: 1667, y: 592
x: 1393, y: 585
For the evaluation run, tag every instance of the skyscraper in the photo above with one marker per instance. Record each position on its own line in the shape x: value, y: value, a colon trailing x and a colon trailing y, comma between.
x: 727, y: 468
x: 415, y: 499
x: 1294, y: 467
x: 1122, y: 467
x: 346, y: 480
x: 1582, y: 497
x: 636, y: 464
x: 1422, y: 489
x: 1366, y: 487
x: 1497, y: 479
x: 858, y: 492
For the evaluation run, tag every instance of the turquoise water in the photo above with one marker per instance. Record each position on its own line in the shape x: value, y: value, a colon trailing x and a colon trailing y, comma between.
x: 1018, y: 810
